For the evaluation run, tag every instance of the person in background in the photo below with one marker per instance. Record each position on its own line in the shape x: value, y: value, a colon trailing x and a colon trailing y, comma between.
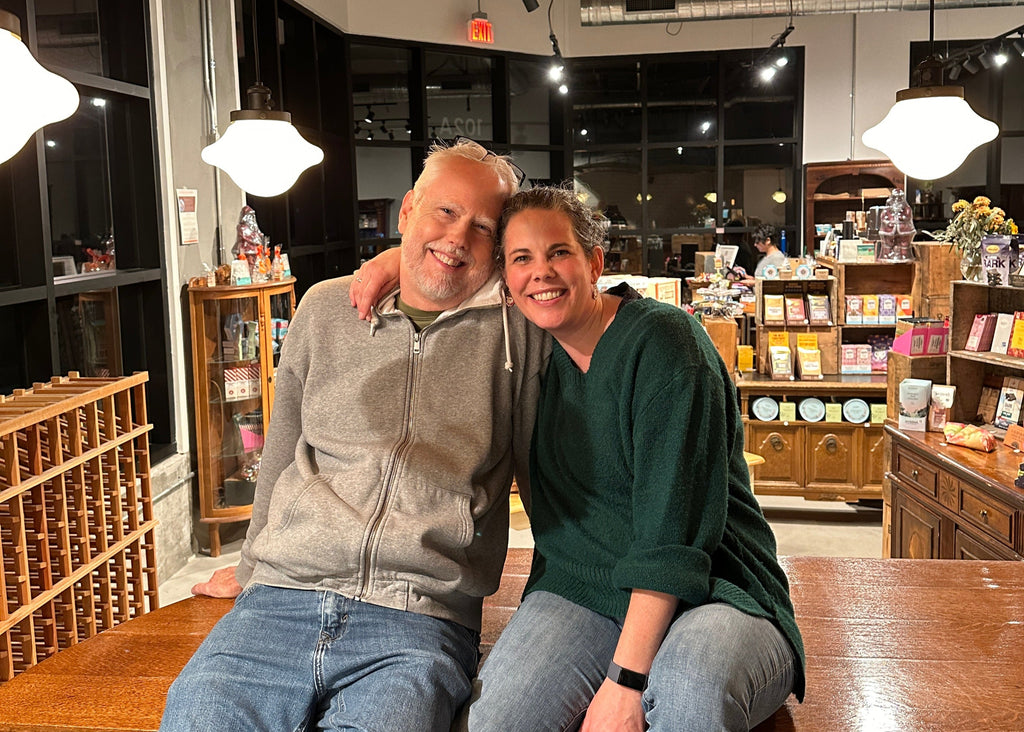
x: 380, y: 519
x: 655, y: 598
x: 763, y: 241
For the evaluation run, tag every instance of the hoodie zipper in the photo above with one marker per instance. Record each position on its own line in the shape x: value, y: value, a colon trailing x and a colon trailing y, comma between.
x: 389, y: 474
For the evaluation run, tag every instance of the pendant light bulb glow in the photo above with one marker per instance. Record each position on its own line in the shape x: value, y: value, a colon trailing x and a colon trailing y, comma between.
x: 261, y: 150
x: 779, y: 196
x: 33, y: 97
x: 930, y: 131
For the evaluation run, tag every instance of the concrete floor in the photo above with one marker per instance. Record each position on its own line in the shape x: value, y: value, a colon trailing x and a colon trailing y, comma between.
x: 802, y: 528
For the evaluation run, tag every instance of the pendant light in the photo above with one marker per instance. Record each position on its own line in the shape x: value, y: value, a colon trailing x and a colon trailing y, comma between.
x: 33, y: 97
x: 780, y: 195
x: 261, y: 150
x: 931, y: 129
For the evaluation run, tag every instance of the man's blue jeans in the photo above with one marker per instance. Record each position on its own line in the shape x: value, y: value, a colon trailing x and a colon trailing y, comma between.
x: 718, y: 669
x: 284, y: 660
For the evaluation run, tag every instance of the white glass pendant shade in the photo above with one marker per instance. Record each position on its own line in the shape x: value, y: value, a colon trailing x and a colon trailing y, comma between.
x: 930, y: 131
x: 264, y: 157
x: 32, y: 96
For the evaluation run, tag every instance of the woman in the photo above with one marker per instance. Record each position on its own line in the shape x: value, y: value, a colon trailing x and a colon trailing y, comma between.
x: 655, y: 596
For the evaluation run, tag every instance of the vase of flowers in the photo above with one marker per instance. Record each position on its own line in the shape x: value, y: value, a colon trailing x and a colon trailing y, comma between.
x: 971, y: 223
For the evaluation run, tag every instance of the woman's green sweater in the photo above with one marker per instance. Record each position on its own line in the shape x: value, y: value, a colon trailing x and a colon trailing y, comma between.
x: 639, y: 481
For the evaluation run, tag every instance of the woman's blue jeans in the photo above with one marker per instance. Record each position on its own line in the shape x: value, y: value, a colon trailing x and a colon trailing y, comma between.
x: 284, y: 660
x: 718, y: 669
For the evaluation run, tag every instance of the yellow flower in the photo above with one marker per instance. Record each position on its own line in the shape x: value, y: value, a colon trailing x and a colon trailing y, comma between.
x: 982, y: 201
x: 960, y: 205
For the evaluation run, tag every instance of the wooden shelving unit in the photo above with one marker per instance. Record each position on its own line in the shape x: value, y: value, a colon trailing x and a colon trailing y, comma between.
x: 832, y: 189
x: 840, y: 461
x: 237, y: 333
x: 76, y: 514
x: 950, y: 502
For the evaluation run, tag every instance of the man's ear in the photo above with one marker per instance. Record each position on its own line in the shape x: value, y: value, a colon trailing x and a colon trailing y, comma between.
x: 403, y: 213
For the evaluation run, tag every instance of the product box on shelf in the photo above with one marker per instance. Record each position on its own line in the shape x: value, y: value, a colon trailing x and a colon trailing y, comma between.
x: 915, y: 397
x: 921, y: 337
x: 901, y: 366
x: 855, y: 358
x: 982, y: 331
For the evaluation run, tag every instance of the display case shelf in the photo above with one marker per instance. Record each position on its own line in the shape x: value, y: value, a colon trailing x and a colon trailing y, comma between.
x: 234, y: 396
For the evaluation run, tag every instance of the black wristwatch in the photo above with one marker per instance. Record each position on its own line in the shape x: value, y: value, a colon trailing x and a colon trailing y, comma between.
x: 625, y: 677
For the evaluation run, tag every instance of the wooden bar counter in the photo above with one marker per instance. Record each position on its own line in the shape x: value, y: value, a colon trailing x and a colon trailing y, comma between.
x: 892, y: 644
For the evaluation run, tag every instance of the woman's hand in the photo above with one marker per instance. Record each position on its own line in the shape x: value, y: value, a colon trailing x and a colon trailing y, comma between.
x: 374, y: 280
x: 615, y: 708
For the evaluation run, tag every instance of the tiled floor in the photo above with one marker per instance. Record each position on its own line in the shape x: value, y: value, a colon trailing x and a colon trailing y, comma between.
x: 803, y: 528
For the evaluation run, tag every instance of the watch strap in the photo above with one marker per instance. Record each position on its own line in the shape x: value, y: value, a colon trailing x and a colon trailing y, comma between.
x: 625, y: 677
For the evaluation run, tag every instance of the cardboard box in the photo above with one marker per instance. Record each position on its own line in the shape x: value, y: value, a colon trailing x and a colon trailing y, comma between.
x: 921, y: 337
x: 870, y: 309
x: 855, y: 358
x: 664, y: 289
x: 854, y: 310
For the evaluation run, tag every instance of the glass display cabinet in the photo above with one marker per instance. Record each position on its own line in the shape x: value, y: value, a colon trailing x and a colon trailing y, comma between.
x: 237, y: 332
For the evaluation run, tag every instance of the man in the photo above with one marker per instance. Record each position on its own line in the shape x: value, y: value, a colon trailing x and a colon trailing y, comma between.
x: 381, y: 516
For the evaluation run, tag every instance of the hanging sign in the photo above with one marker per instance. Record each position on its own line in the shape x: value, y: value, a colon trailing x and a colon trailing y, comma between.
x: 481, y: 30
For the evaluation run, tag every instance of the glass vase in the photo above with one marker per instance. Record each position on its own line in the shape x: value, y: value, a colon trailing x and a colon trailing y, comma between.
x: 970, y: 264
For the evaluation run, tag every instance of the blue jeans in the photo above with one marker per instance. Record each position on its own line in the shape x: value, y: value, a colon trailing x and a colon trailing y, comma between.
x: 285, y: 660
x: 717, y: 669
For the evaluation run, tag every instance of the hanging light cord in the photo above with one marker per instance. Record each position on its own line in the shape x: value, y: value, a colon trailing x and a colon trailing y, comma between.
x: 551, y: 32
x: 255, y: 45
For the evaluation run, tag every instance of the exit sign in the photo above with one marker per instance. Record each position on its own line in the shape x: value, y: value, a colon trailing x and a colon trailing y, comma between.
x: 480, y: 30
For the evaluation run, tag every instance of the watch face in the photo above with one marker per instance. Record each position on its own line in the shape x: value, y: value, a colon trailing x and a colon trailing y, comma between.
x: 812, y: 409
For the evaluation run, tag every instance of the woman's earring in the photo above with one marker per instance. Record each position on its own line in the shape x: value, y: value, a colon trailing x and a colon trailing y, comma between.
x: 595, y: 291
x: 509, y: 302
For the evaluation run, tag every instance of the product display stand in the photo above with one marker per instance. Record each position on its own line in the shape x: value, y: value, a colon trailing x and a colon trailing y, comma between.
x: 237, y: 332
x: 76, y: 516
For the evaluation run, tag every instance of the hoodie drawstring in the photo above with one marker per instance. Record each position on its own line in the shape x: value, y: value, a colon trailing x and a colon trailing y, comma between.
x: 504, y: 326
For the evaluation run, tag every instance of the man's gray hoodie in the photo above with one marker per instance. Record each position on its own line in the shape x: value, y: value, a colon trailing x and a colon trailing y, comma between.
x: 387, y: 464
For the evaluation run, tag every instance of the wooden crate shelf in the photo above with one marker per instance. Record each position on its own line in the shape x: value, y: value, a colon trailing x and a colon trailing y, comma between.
x: 76, y: 514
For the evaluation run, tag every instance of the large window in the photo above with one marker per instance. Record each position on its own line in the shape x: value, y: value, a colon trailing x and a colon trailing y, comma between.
x: 684, y: 150
x: 79, y: 220
x: 994, y: 169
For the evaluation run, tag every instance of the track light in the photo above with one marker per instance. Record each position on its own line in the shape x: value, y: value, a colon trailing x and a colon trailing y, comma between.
x: 1000, y: 57
x: 368, y: 119
x: 530, y: 5
x: 986, y: 59
x: 408, y: 127
x: 971, y: 64
x: 782, y: 60
x: 1018, y: 45
x: 954, y: 73
x: 768, y: 73
x: 557, y: 71
x: 369, y: 135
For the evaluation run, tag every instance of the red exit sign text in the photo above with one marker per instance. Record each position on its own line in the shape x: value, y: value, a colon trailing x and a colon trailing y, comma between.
x: 481, y: 31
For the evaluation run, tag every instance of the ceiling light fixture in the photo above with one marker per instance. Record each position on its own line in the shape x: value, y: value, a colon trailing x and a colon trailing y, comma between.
x: 33, y: 97
x: 1001, y: 57
x: 930, y: 130
x: 368, y: 119
x: 530, y: 5
x: 557, y: 70
x: 261, y: 150
x: 1018, y: 45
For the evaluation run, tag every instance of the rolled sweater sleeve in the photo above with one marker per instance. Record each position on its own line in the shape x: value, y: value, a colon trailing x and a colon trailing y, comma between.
x: 680, y: 484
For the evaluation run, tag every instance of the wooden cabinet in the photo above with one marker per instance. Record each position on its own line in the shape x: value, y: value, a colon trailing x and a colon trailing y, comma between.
x: 950, y: 502
x: 237, y: 334
x: 832, y: 189
x: 820, y: 460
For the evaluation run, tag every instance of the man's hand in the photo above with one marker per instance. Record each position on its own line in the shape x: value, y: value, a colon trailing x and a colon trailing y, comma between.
x: 221, y: 584
x: 375, y: 279
x: 615, y: 708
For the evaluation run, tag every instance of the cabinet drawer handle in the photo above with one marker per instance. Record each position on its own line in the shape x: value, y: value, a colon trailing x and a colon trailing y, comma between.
x: 831, y: 444
x: 914, y: 474
x: 776, y: 442
x: 984, y: 515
